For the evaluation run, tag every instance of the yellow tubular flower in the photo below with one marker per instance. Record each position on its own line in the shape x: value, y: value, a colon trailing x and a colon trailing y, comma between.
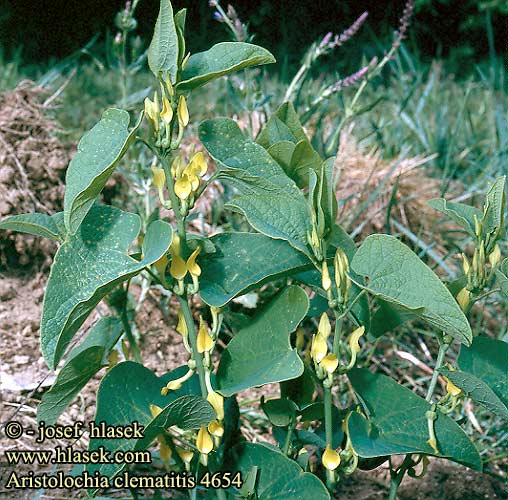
x: 164, y: 450
x: 161, y: 265
x: 465, y: 265
x: 330, y: 363
x: 192, y: 265
x: 167, y: 111
x: 155, y: 410
x: 451, y: 388
x: 217, y: 401
x: 181, y: 328
x: 169, y: 85
x: 326, y: 282
x: 174, y: 248
x: 204, y: 340
x: 300, y: 339
x: 174, y: 385
x: 177, y: 167
x: 495, y: 256
x: 178, y: 268
x: 183, y: 187
x: 463, y: 298
x: 319, y: 348
x: 198, y: 164
x: 194, y: 180
x: 159, y: 177
x: 354, y: 345
x: 152, y: 111
x: 185, y: 455
x: 216, y: 429
x: 204, y: 442
x: 324, y: 327
x: 183, y: 112
x: 330, y: 458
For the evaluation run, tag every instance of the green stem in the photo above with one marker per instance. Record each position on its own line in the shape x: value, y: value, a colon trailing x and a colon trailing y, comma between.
x: 337, y: 334
x: 396, y: 477
x: 443, y: 347
x: 191, y: 328
x: 289, y: 435
x: 444, y: 344
x: 128, y: 330
x: 175, y: 202
x: 327, y: 400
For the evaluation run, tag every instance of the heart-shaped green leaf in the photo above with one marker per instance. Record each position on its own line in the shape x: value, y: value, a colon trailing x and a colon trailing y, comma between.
x: 88, y: 266
x: 180, y: 18
x: 221, y: 59
x: 82, y: 364
x: 278, y: 477
x: 397, y: 423
x: 270, y: 200
x: 240, y: 264
x: 460, y: 213
x: 261, y: 352
x: 495, y: 203
x: 487, y: 360
x: 125, y: 395
x: 396, y: 275
x: 477, y: 390
x: 47, y: 226
x: 163, y: 50
x: 99, y: 152
x: 283, y: 125
x: 285, y: 140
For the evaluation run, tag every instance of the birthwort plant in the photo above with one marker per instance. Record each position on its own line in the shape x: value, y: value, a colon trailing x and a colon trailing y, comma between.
x: 332, y: 416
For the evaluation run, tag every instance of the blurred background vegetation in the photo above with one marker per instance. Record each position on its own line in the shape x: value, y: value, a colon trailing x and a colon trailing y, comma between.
x: 45, y: 31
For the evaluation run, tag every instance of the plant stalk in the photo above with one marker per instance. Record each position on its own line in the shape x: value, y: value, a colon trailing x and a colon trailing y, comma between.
x: 327, y: 400
x: 191, y: 328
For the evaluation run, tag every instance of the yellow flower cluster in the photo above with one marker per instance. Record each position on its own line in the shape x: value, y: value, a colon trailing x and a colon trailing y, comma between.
x: 319, y: 347
x: 188, y: 177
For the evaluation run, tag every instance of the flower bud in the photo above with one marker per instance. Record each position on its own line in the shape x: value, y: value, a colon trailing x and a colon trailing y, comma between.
x: 159, y: 177
x: 181, y: 327
x: 183, y: 112
x: 465, y: 265
x: 324, y: 327
x: 354, y: 344
x: 463, y: 298
x: 204, y: 341
x: 326, y: 282
x: 495, y: 256
x: 167, y: 111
